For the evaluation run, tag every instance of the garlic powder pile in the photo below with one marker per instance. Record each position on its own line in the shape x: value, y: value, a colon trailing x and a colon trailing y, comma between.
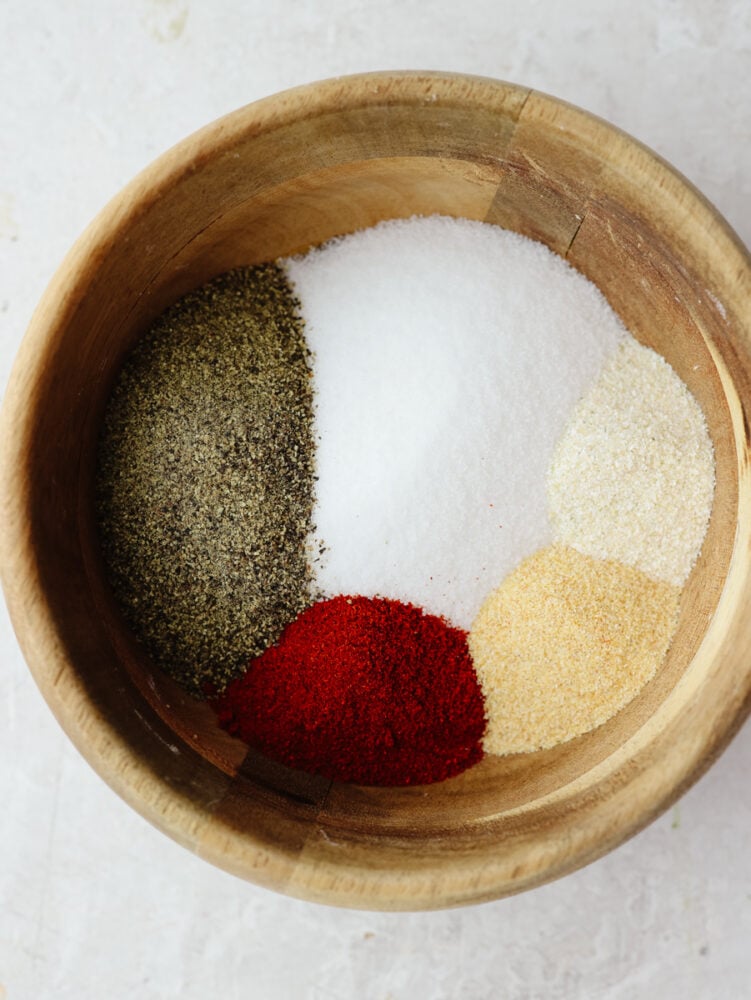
x: 564, y: 643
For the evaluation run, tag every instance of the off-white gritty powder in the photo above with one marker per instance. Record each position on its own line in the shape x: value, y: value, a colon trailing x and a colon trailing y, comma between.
x: 447, y: 358
x: 632, y: 477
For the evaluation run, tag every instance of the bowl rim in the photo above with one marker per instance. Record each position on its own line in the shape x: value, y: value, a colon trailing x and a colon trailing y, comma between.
x: 637, y: 793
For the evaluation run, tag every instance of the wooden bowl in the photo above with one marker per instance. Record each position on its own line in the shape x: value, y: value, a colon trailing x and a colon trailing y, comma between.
x: 276, y: 177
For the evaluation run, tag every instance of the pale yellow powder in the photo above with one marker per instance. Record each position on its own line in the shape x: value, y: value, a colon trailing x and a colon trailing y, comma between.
x: 564, y: 643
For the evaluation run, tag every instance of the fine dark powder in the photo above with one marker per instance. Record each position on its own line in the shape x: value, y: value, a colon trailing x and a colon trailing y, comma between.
x: 205, y: 478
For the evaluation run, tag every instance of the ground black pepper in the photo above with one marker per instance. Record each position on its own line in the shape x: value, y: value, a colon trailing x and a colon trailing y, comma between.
x: 205, y: 477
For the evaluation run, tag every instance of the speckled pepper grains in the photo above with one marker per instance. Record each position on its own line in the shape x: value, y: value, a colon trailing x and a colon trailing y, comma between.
x: 205, y: 477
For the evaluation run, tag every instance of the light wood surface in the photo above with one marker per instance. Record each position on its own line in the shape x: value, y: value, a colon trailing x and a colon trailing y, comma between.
x: 276, y: 177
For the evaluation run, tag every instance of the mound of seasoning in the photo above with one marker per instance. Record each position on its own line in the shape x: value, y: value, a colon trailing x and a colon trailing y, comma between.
x: 449, y: 355
x: 632, y: 477
x: 564, y: 643
x: 205, y: 477
x: 365, y: 690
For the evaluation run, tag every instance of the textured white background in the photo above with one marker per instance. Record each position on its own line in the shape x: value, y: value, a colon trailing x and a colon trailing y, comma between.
x: 94, y: 903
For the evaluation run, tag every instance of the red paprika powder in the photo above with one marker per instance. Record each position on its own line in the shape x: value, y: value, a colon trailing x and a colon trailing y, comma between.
x: 365, y: 690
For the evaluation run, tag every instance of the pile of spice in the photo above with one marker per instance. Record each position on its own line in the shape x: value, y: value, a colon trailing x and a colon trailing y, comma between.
x: 365, y: 690
x: 564, y: 643
x: 205, y: 477
x: 632, y: 478
x: 443, y: 380
x: 390, y: 507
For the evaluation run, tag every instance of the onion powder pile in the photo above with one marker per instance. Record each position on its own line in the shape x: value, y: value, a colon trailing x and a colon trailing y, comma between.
x: 633, y: 475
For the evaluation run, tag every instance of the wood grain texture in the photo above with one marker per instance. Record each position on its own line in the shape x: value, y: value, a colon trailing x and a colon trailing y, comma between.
x: 276, y: 177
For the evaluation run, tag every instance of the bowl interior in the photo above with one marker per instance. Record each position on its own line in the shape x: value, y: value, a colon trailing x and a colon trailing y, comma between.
x: 271, y: 180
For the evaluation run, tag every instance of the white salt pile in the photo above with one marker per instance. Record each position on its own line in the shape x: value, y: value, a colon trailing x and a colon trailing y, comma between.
x: 633, y: 475
x: 448, y: 356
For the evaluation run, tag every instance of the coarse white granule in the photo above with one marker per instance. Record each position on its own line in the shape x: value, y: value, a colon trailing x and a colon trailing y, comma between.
x: 633, y: 475
x: 447, y: 357
x: 564, y: 643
